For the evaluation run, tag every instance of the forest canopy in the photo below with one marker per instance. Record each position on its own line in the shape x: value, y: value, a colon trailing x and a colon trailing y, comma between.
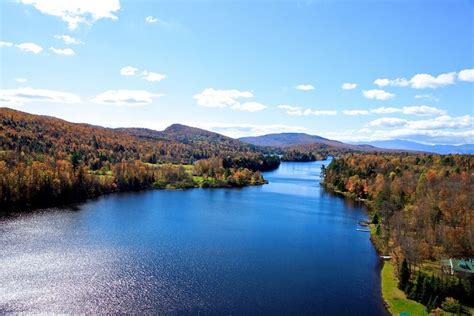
x: 47, y: 161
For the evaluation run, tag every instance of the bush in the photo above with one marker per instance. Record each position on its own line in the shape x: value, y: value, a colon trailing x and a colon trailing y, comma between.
x: 451, y: 305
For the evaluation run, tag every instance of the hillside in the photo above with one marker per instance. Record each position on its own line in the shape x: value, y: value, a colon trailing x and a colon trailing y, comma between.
x: 305, y: 147
x: 47, y: 161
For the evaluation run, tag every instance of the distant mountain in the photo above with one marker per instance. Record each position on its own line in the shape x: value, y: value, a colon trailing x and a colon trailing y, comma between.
x: 287, y: 140
x: 414, y: 146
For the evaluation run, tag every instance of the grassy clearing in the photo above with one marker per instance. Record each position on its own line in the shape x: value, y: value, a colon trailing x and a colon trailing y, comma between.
x: 397, y: 302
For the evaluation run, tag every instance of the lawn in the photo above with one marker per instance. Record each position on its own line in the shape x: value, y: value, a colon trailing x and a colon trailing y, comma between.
x: 397, y: 302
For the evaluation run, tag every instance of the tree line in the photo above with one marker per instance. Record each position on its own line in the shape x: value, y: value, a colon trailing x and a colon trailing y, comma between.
x: 46, y: 161
x: 422, y: 209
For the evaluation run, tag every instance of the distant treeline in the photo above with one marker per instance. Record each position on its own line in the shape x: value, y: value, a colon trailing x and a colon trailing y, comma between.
x: 46, y: 161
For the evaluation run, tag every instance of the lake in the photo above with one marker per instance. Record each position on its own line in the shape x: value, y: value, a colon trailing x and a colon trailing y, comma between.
x: 287, y: 247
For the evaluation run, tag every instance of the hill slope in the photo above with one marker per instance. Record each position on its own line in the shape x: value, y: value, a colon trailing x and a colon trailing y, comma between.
x: 46, y: 161
x: 286, y: 140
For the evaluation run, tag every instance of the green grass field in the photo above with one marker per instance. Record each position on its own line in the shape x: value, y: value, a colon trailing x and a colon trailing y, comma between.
x: 397, y: 302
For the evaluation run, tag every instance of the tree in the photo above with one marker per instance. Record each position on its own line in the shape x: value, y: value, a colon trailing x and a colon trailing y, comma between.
x: 451, y: 305
x: 404, y: 277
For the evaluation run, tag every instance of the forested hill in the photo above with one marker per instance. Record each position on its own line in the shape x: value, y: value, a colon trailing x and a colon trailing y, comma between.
x: 285, y: 140
x: 305, y: 147
x: 203, y: 142
x: 53, y: 136
x: 46, y: 161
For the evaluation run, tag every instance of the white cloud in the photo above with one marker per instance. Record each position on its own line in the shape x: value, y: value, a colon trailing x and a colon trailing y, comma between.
x: 21, y: 80
x: 62, y: 51
x: 128, y: 71
x: 68, y: 40
x: 407, y: 110
x: 466, y: 75
x: 318, y: 112
x: 213, y: 98
x: 299, y: 111
x: 443, y: 122
x: 426, y: 96
x: 151, y: 20
x: 249, y: 106
x: 145, y: 74
x: 440, y: 122
x: 355, y: 112
x: 349, y: 86
x: 5, y: 44
x: 20, y: 96
x: 388, y: 122
x: 152, y: 76
x: 305, y: 87
x: 291, y: 110
x: 422, y: 110
x: 385, y: 110
x: 422, y: 81
x: 75, y: 12
x: 399, y: 82
x: 378, y: 94
x: 30, y: 48
x: 125, y: 97
x: 24, y: 47
x: 410, y: 110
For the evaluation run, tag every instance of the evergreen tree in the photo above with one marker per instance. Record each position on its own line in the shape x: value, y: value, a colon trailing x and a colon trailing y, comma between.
x: 404, y: 276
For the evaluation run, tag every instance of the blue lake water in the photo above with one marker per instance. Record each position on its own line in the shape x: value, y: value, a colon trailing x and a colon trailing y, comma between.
x: 287, y: 247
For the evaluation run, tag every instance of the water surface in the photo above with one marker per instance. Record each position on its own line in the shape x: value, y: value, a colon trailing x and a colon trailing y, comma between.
x: 283, y: 248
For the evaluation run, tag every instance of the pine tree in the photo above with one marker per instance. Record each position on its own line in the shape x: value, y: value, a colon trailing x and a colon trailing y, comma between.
x: 404, y: 276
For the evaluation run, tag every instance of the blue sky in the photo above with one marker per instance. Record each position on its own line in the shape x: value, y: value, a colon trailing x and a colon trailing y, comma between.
x: 246, y: 67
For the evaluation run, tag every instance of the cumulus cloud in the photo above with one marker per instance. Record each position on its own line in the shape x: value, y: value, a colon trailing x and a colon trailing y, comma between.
x: 349, y: 86
x: 388, y: 122
x: 422, y: 110
x: 419, y: 81
x: 20, y: 96
x: 5, y: 44
x: 62, y: 51
x: 305, y: 87
x: 128, y: 71
x: 24, y: 47
x: 355, y: 112
x: 426, y: 96
x: 440, y: 122
x: 145, y: 74
x: 299, y: 111
x: 68, y: 40
x: 152, y: 76
x: 408, y: 110
x: 30, y: 48
x: 213, y: 98
x: 76, y: 12
x: 126, y: 97
x: 466, y: 75
x: 399, y: 82
x: 249, y: 106
x: 378, y: 94
x: 151, y: 20
x: 423, y: 81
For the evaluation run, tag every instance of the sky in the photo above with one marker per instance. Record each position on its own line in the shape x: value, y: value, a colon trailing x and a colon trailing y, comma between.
x: 346, y: 70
